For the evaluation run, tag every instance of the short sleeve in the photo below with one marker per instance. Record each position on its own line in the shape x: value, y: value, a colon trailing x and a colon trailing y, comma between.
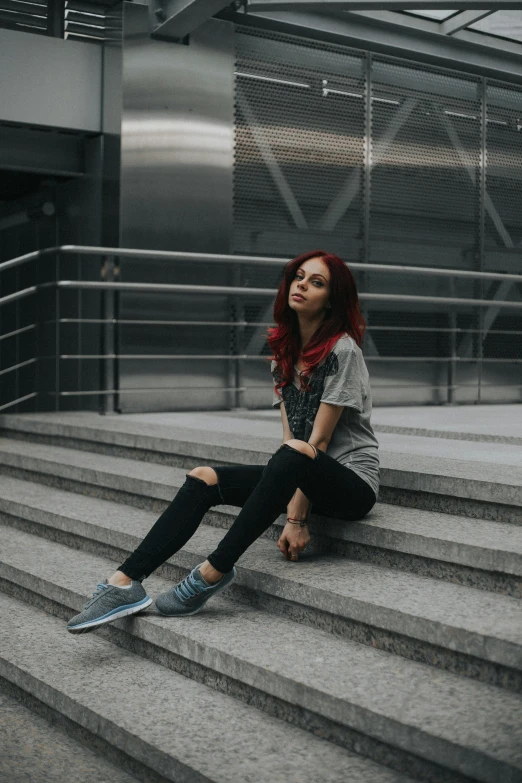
x: 275, y: 399
x: 343, y: 383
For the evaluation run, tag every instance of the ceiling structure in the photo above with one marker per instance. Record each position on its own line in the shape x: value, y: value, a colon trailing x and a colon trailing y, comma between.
x: 496, y: 24
x: 506, y: 23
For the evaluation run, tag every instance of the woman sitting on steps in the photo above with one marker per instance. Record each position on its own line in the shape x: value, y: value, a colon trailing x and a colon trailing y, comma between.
x: 328, y: 458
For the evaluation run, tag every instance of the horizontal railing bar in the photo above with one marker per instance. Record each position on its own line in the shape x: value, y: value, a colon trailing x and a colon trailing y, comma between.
x: 20, y: 399
x: 436, y: 359
x: 139, y: 322
x: 370, y: 328
x: 17, y: 366
x: 444, y: 386
x: 148, y: 389
x: 438, y: 329
x: 19, y: 260
x: 176, y: 255
x: 235, y: 290
x: 166, y: 357
x: 170, y: 255
x: 19, y: 295
x: 17, y: 331
x: 157, y: 356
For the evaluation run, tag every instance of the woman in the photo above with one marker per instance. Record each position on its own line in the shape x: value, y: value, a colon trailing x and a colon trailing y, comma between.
x: 328, y: 457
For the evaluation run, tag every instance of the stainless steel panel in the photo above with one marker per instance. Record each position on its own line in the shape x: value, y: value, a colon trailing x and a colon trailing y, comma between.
x: 177, y: 137
x: 176, y: 194
x: 50, y: 82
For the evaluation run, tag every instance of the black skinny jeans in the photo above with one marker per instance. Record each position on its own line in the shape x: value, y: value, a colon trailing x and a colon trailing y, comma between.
x: 263, y: 492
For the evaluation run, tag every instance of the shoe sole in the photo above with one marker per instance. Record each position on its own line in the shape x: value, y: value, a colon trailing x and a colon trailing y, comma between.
x: 90, y: 625
x: 195, y: 611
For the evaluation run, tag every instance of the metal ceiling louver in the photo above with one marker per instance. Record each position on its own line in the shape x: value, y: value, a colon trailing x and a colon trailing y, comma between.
x: 82, y: 21
x: 23, y: 15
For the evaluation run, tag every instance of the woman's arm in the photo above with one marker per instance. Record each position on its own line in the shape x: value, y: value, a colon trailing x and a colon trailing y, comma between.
x: 294, y: 539
x: 325, y: 422
x: 287, y: 434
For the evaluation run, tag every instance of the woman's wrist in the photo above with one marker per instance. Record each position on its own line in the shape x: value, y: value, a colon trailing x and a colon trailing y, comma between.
x: 297, y: 521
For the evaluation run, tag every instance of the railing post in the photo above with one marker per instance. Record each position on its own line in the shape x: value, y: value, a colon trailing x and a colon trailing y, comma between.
x: 480, y: 352
x: 238, y: 315
x: 452, y: 364
x: 57, y: 332
x: 107, y: 346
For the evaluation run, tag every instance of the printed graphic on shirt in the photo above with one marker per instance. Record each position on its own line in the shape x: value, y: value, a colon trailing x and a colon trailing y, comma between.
x: 301, y: 406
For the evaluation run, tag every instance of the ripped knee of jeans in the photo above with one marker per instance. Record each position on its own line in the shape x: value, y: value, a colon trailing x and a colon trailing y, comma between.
x: 316, y: 452
x: 212, y: 487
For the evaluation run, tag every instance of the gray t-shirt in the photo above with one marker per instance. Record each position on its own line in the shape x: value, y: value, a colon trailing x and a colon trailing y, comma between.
x: 341, y: 379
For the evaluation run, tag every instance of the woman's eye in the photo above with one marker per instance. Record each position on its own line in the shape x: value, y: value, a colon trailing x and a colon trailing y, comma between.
x: 313, y: 281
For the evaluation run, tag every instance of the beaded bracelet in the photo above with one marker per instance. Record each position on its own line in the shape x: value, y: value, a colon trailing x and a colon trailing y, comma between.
x: 300, y: 522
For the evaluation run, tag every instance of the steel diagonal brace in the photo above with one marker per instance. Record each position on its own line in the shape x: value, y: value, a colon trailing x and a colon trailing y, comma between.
x: 505, y: 287
x: 269, y: 158
x: 258, y: 339
x: 174, y: 19
x: 350, y: 188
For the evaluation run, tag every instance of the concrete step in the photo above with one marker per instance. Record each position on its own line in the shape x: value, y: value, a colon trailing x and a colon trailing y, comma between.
x: 479, y: 553
x: 176, y: 728
x: 470, y: 488
x: 449, y: 626
x: 36, y: 751
x: 438, y: 725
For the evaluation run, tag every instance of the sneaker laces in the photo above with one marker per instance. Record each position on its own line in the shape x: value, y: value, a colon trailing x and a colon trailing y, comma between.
x: 99, y: 589
x: 189, y: 587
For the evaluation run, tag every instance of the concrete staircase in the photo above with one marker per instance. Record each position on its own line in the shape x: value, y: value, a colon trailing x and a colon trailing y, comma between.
x: 392, y: 651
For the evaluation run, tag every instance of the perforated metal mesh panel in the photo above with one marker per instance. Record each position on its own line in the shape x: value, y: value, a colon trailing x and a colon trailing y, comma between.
x: 299, y: 146
x: 504, y: 167
x: 425, y: 181
x: 444, y: 189
x: 503, y: 229
x: 299, y: 158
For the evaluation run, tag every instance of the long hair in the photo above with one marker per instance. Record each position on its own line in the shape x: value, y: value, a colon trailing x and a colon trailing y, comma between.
x: 345, y: 315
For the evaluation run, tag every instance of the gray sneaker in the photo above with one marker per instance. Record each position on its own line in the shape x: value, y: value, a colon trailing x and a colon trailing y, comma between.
x: 107, y: 603
x: 191, y: 594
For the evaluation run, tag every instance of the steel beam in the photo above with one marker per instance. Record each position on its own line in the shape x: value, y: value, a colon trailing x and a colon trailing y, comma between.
x: 41, y: 152
x: 378, y: 5
x: 174, y: 19
x: 462, y: 20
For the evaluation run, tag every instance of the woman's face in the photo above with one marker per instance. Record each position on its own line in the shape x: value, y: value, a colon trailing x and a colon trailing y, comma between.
x: 312, y: 282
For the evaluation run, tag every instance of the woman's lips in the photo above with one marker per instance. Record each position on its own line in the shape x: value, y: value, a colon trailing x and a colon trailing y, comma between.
x: 298, y: 296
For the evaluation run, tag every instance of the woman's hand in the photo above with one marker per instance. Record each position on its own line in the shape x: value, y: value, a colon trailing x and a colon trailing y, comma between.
x: 293, y: 540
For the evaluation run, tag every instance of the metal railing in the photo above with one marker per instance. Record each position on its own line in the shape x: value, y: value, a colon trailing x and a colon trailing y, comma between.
x: 108, y: 392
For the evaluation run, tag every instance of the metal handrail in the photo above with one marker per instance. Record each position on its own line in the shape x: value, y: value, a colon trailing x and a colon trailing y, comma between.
x: 269, y: 292
x: 175, y: 255
x: 221, y: 289
x: 111, y: 253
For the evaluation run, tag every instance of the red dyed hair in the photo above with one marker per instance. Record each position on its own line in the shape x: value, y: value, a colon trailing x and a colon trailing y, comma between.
x: 345, y: 316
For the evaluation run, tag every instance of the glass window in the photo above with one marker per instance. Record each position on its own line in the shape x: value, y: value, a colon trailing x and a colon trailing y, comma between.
x: 505, y: 24
x: 440, y: 15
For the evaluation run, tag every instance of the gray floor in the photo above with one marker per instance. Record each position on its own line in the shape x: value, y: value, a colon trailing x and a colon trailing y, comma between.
x: 478, y: 433
x: 35, y: 751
